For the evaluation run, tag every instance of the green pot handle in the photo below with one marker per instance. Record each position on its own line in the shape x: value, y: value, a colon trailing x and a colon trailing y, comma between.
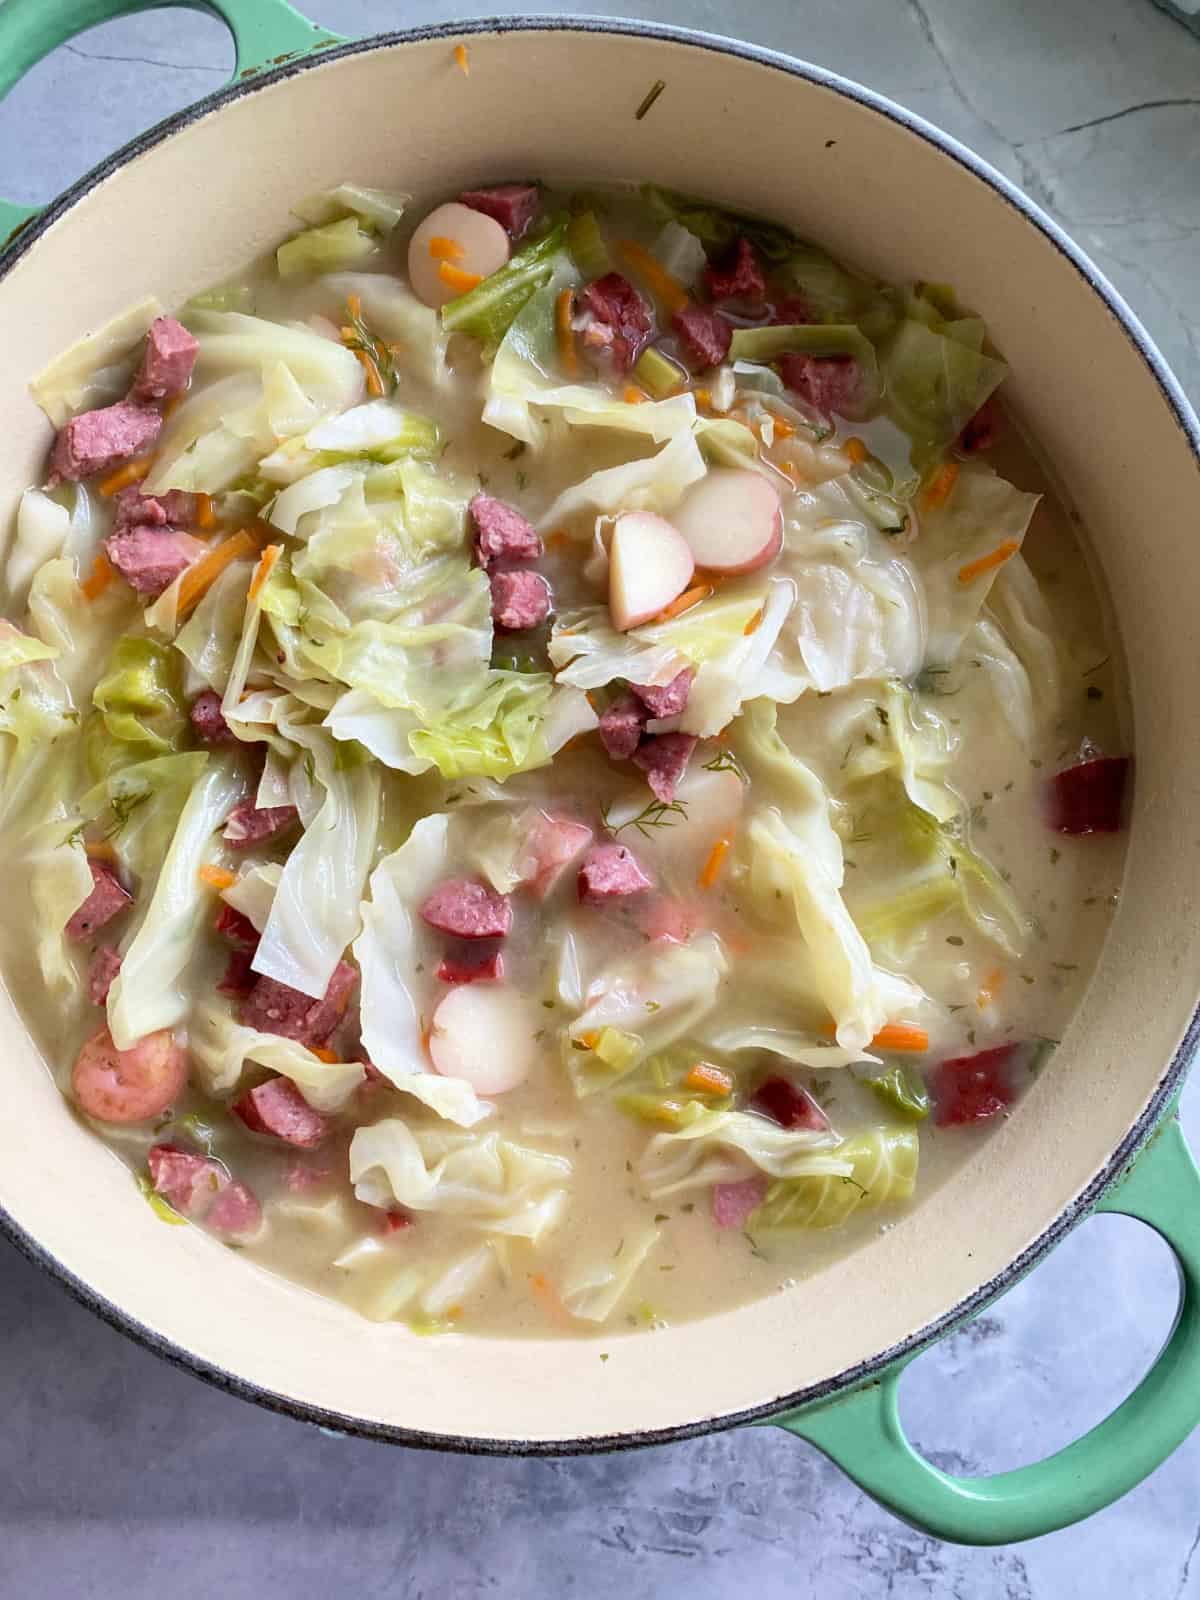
x: 264, y: 32
x: 861, y: 1431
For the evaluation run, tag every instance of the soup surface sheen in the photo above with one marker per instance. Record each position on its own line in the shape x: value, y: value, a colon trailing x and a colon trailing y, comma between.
x: 558, y: 755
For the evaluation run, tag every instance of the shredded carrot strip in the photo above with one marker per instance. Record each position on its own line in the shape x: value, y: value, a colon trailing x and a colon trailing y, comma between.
x: 855, y: 449
x: 990, y: 988
x: 782, y: 427
x: 633, y: 396
x: 198, y: 579
x: 323, y: 1053
x: 443, y: 249
x: 462, y: 60
x: 662, y: 285
x: 558, y: 541
x: 901, y: 1036
x: 217, y: 877
x: 688, y: 599
x: 354, y: 306
x: 938, y: 489
x: 755, y: 622
x: 995, y: 558
x: 790, y: 470
x: 131, y: 472
x: 711, y: 869
x: 102, y: 575
x: 171, y: 406
x: 456, y: 278
x: 546, y: 1295
x: 567, y: 353
x: 100, y: 850
x: 708, y: 1079
x: 206, y: 516
x: 374, y: 380
x: 591, y: 1040
x: 703, y: 396
x: 263, y: 570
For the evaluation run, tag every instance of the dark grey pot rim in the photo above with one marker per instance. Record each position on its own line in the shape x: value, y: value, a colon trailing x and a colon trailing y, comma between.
x: 1171, y: 1079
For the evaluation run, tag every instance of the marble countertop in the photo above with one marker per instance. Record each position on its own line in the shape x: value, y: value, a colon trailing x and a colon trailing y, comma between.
x: 120, y: 1476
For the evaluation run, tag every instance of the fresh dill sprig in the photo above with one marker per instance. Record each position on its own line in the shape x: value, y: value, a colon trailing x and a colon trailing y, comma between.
x: 726, y: 761
x: 376, y: 356
x: 658, y: 814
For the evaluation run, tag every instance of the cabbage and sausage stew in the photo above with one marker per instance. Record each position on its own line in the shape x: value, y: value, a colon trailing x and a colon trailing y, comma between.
x: 563, y: 759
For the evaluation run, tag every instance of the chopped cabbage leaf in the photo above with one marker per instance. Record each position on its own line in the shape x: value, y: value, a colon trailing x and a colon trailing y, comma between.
x: 937, y: 375
x: 376, y: 208
x: 315, y: 913
x: 915, y: 743
x: 594, y: 1290
x: 209, y: 639
x: 332, y: 247
x: 60, y: 881
x: 725, y: 1146
x: 655, y: 998
x: 803, y: 864
x: 488, y: 310
x: 394, y: 997
x: 147, y: 993
x: 982, y: 513
x: 96, y: 369
x: 140, y: 698
x: 654, y: 484
x: 253, y: 894
x: 221, y: 1049
x: 1017, y: 605
x: 881, y: 1168
x: 43, y: 527
x: 481, y: 1179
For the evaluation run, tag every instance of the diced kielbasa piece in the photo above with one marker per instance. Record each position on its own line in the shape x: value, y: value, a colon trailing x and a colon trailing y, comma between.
x: 616, y: 321
x: 520, y: 600
x: 239, y: 977
x: 792, y: 310
x: 208, y: 719
x: 705, y: 335
x: 501, y: 532
x: 236, y: 1212
x: 167, y: 363
x: 150, y: 559
x: 467, y: 909
x: 666, y: 699
x: 278, y: 1109
x: 97, y: 440
x: 981, y: 431
x: 108, y: 897
x: 739, y: 278
x: 554, y: 843
x: 513, y: 205
x: 972, y: 1088
x: 102, y: 972
x: 779, y: 1099
x: 733, y: 1204
x: 188, y: 1182
x: 472, y: 966
x: 610, y: 871
x: 248, y: 824
x: 621, y: 726
x: 828, y: 383
x: 274, y: 1007
x: 236, y: 927
x: 663, y: 757
x: 133, y: 509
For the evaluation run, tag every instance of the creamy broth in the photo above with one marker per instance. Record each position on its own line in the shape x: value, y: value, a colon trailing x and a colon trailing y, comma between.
x: 571, y: 1171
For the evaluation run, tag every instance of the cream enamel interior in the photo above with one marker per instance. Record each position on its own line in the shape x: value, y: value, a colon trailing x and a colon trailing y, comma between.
x: 185, y: 214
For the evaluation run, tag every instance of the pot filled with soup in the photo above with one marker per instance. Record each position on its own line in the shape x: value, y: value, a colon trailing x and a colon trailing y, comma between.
x: 569, y: 716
